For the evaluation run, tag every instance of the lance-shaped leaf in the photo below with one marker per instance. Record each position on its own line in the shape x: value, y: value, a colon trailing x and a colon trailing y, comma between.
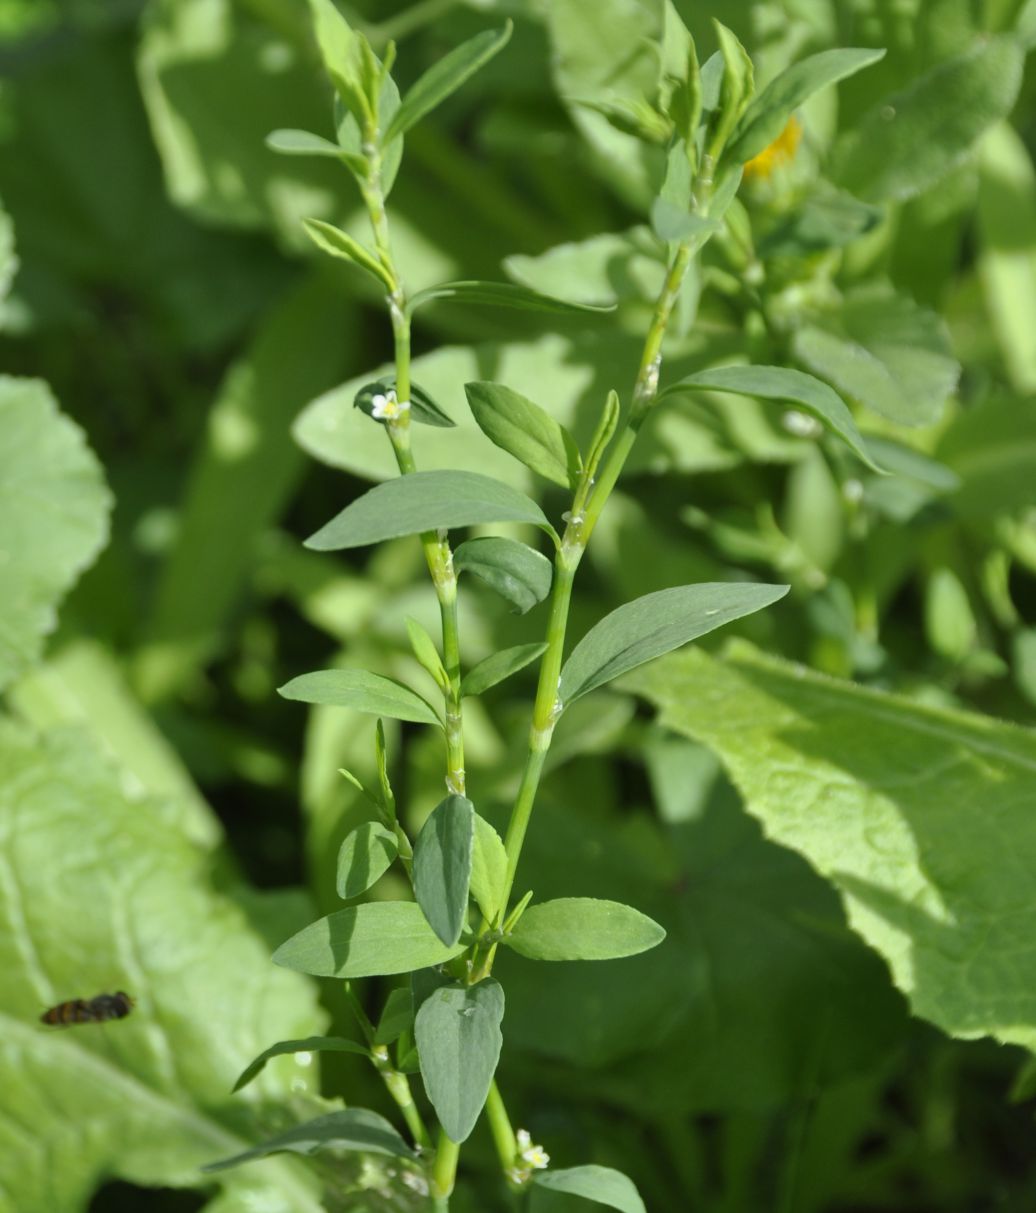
x: 768, y: 113
x: 780, y: 383
x: 458, y: 1039
x: 583, y: 928
x: 363, y: 692
x: 920, y: 817
x: 500, y: 294
x: 526, y: 431
x: 488, y: 869
x: 423, y: 409
x: 370, y: 940
x: 353, y: 1129
x: 333, y: 240
x: 425, y: 501
x: 516, y: 571
x: 498, y: 666
x: 442, y: 866
x: 365, y: 855
x: 311, y: 1044
x: 302, y: 143
x: 445, y: 77
x: 426, y: 653
x: 343, y: 58
x: 646, y: 628
x: 397, y: 1016
x: 602, y: 1185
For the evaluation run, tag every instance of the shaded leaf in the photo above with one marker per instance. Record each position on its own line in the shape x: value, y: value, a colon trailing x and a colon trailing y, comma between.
x: 458, y: 1037
x: 516, y: 571
x: 500, y: 294
x: 602, y: 1185
x: 423, y: 409
x: 498, y: 666
x: 302, y: 143
x: 526, y: 431
x: 311, y: 1044
x: 397, y: 1016
x: 365, y: 855
x: 655, y: 624
x: 442, y: 866
x: 371, y: 940
x: 488, y: 869
x: 333, y: 240
x: 583, y: 928
x: 353, y: 1129
x: 363, y: 692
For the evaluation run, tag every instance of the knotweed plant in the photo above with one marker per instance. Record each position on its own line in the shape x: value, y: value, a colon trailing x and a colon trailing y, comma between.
x: 447, y: 1022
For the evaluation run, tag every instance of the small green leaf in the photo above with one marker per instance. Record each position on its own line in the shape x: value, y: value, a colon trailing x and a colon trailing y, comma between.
x: 498, y: 666
x: 602, y: 1185
x: 333, y: 240
x: 526, y: 431
x: 381, y: 762
x: 768, y: 113
x: 516, y: 571
x: 671, y: 223
x: 606, y: 428
x: 312, y: 1044
x: 488, y: 869
x: 500, y: 294
x: 646, y: 628
x: 362, y: 691
x: 423, y: 408
x: 397, y: 1016
x: 446, y: 76
x: 370, y: 940
x: 425, y: 501
x: 442, y: 866
x: 365, y: 855
x: 459, y: 1038
x: 426, y: 652
x: 736, y: 86
x: 353, y: 1129
x: 341, y: 53
x: 583, y: 928
x: 302, y: 143
x: 780, y: 383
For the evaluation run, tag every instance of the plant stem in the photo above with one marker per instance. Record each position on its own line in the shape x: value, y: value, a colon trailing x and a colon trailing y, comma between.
x: 500, y: 1126
x: 437, y: 551
x: 444, y: 1171
x: 398, y: 1086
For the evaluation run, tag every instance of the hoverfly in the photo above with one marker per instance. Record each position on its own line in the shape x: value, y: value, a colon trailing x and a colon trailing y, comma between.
x: 89, y: 1010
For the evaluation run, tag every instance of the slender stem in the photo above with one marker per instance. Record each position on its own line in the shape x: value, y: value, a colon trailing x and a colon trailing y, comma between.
x: 444, y: 1171
x: 398, y: 1086
x: 437, y: 551
x: 500, y: 1127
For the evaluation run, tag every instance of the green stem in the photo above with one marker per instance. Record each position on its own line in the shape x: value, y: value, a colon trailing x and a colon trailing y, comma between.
x: 444, y: 1171
x: 398, y: 1086
x: 500, y: 1127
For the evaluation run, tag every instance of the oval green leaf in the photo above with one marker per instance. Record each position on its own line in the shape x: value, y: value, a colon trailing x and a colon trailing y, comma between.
x: 516, y: 571
x: 498, y: 666
x: 779, y: 383
x: 302, y: 143
x: 458, y: 1039
x: 445, y: 77
x: 655, y: 624
x: 521, y: 428
x: 602, y: 1185
x: 363, y: 692
x: 397, y: 1016
x: 425, y: 501
x: 442, y: 866
x: 768, y: 113
x: 312, y: 1044
x: 501, y: 294
x: 488, y: 869
x: 583, y: 928
x: 365, y: 855
x: 371, y: 940
x: 353, y: 1129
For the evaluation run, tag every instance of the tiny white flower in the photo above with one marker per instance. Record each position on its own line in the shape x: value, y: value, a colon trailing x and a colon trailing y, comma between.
x: 534, y: 1156
x: 801, y: 425
x: 524, y: 1139
x: 383, y: 405
x: 852, y: 491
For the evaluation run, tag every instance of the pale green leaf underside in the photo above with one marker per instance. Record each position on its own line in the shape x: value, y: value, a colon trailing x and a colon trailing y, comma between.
x: 602, y: 1185
x: 425, y: 501
x: 54, y: 509
x: 353, y: 1129
x: 920, y: 817
x: 583, y: 928
x: 363, y: 692
x: 371, y: 940
x: 153, y: 1088
x: 782, y: 383
x: 656, y: 624
x: 458, y: 1037
x: 311, y: 1044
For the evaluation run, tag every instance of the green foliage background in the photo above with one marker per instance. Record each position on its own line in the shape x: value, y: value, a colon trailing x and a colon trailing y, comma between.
x: 838, y: 1017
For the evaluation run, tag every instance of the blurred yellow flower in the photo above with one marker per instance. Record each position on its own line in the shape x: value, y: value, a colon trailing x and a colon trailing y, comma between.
x: 778, y: 153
